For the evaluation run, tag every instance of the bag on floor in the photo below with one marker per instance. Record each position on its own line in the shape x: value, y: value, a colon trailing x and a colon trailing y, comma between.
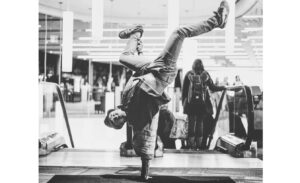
x: 230, y: 144
x: 50, y: 143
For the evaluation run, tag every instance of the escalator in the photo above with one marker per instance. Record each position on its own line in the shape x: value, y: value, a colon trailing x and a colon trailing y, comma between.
x: 236, y: 108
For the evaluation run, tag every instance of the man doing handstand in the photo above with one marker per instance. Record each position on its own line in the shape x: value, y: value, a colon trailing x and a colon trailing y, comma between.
x: 144, y: 92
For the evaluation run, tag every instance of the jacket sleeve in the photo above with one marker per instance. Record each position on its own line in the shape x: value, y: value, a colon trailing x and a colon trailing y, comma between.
x: 213, y: 87
x: 185, y: 87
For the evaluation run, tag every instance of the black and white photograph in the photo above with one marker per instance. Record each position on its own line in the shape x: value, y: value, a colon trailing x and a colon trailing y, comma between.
x: 150, y: 91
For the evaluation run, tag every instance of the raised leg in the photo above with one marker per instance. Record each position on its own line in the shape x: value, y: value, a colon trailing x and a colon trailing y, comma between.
x: 174, y: 44
x: 128, y: 57
x: 168, y: 57
x: 171, y: 51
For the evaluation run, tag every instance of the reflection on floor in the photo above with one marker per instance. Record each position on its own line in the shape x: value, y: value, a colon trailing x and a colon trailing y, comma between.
x: 87, y: 162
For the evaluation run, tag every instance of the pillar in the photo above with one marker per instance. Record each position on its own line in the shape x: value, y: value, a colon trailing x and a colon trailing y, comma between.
x: 230, y: 28
x: 173, y: 16
x: 90, y: 73
x: 97, y: 19
x: 189, y: 51
x: 67, y: 45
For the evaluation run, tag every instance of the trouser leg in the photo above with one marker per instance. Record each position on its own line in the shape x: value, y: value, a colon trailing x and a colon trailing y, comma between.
x: 128, y: 57
x: 191, y: 127
x: 206, y: 130
x: 199, y: 130
x: 199, y: 125
x: 169, y: 56
x: 191, y: 131
x: 173, y: 46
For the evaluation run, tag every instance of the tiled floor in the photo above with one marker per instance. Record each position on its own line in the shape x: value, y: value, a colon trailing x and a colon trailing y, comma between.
x: 87, y: 162
x: 170, y: 160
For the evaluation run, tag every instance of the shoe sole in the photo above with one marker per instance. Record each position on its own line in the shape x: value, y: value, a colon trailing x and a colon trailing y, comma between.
x: 224, y: 20
x: 127, y: 35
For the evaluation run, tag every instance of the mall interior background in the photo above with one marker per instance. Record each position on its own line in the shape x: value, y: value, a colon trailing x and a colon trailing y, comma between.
x: 96, y: 79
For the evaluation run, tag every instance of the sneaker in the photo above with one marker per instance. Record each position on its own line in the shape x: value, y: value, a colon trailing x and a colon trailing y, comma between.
x: 125, y: 34
x: 222, y: 14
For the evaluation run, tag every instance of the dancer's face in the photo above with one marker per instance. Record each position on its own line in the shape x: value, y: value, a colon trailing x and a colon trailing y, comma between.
x: 117, y: 116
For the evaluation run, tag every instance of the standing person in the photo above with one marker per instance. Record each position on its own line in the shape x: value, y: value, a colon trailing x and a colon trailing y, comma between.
x: 144, y: 92
x: 238, y: 81
x: 225, y: 81
x: 51, y: 77
x: 196, y: 102
x: 217, y: 82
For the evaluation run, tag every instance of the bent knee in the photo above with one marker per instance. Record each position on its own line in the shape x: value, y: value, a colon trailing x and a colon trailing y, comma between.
x: 122, y: 58
x: 180, y: 32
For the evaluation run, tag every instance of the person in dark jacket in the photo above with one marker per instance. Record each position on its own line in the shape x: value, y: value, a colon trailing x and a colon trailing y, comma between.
x: 144, y: 92
x: 196, y: 102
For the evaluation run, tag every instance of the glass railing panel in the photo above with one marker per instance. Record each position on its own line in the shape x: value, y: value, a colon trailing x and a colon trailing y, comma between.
x: 51, y: 115
x: 238, y: 111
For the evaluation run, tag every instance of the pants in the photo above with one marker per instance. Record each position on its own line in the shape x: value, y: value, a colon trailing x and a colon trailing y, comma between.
x: 196, y: 125
x: 165, y: 65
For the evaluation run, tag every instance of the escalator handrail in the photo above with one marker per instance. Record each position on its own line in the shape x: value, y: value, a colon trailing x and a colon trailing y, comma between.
x: 250, y: 118
x: 63, y: 108
x: 65, y: 115
x: 216, y: 118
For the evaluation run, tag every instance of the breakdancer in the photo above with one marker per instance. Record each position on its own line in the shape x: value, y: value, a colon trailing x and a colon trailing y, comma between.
x: 144, y: 92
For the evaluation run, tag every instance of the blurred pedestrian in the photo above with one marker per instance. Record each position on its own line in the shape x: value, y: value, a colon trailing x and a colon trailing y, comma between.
x: 237, y: 81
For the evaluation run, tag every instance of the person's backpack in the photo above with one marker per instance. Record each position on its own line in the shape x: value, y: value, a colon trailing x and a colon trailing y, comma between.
x: 197, y: 87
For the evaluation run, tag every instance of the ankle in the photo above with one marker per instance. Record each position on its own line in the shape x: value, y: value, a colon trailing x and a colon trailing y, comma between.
x: 136, y: 35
